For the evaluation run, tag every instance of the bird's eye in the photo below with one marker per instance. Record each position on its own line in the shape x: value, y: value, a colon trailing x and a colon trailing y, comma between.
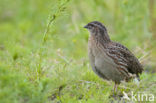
x: 91, y: 26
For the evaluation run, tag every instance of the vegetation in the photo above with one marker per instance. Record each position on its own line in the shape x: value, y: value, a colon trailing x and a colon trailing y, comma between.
x: 43, y: 49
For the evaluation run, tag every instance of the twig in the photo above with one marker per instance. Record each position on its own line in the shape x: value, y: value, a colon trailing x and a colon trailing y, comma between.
x: 52, y: 17
x: 47, y: 29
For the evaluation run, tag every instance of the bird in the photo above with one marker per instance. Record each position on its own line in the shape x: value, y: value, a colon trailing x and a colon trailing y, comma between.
x: 110, y: 60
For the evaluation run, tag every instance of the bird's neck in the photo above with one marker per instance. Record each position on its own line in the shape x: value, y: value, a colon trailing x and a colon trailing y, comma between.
x: 102, y: 37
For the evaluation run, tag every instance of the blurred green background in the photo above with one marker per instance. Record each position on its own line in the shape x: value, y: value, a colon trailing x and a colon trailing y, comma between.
x: 43, y: 48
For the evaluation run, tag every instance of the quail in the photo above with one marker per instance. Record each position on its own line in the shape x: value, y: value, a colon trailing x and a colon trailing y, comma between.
x: 110, y: 60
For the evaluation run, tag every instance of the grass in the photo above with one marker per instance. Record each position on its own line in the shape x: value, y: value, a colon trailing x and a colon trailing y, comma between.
x: 47, y: 62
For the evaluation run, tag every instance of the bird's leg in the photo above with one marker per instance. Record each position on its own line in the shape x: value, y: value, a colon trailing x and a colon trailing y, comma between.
x: 115, y: 88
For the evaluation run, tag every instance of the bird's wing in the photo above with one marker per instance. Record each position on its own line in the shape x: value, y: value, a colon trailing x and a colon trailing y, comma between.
x: 124, y: 58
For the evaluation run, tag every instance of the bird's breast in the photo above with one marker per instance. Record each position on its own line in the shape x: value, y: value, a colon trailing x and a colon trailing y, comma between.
x: 102, y: 62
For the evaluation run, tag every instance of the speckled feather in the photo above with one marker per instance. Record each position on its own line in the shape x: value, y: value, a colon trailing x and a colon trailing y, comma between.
x: 110, y: 60
x: 124, y: 58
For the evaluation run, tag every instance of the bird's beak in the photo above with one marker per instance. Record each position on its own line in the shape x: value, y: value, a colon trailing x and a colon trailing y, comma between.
x: 86, y: 26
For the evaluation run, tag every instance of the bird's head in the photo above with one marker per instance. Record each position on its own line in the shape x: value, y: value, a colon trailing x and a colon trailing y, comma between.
x: 98, y: 30
x: 95, y: 27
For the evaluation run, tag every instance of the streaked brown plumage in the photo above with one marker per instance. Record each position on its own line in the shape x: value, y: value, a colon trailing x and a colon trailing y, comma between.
x: 110, y: 60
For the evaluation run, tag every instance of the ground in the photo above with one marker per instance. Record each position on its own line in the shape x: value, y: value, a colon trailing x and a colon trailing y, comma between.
x: 43, y: 50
